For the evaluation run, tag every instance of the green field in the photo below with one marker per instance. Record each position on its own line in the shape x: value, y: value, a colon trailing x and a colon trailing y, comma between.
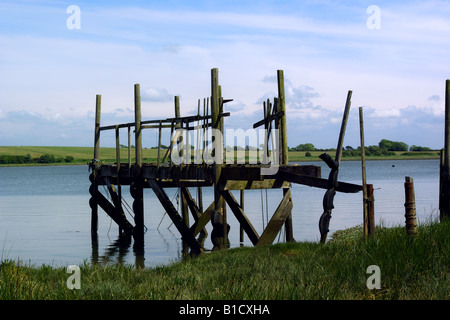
x: 83, y: 155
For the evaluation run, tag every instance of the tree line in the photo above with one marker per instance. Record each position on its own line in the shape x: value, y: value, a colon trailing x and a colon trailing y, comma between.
x: 45, y: 158
x: 384, y: 148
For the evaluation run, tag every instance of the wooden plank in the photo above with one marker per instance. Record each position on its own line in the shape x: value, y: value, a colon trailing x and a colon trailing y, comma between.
x: 203, y: 220
x: 112, y: 211
x: 185, y: 232
x: 251, y: 184
x: 196, y: 212
x: 276, y: 222
x: 241, y: 216
x: 320, y: 183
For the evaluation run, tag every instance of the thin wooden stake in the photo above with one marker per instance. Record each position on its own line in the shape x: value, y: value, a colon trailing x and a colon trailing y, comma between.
x: 363, y: 169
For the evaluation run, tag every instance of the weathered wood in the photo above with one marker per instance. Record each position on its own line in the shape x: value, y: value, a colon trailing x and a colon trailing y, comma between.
x: 410, y: 207
x: 444, y: 203
x: 343, y: 127
x: 371, y: 210
x: 363, y: 170
x: 185, y: 232
x: 195, y: 210
x: 282, y: 109
x: 319, y: 182
x: 114, y: 213
x: 219, y: 205
x: 137, y: 124
x: 203, y: 220
x: 98, y: 104
x: 278, y: 219
x: 241, y: 217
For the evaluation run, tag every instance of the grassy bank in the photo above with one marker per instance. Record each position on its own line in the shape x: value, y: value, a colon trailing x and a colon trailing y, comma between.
x: 83, y: 155
x: 410, y: 269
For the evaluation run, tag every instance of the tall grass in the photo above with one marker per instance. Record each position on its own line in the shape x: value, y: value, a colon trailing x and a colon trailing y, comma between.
x: 411, y: 268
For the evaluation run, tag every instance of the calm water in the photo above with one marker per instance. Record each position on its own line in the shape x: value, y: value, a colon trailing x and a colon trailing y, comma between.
x: 45, y: 214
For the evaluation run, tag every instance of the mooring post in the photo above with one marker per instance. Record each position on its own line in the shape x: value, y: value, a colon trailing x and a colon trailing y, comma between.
x: 94, y: 186
x: 136, y: 188
x: 444, y: 199
x: 410, y: 207
x: 283, y: 144
x: 363, y: 169
x: 219, y: 218
x: 370, y: 211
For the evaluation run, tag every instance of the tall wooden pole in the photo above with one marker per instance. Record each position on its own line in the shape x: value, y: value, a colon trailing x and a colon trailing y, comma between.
x: 137, y: 123
x: 98, y: 104
x: 219, y: 202
x: 283, y: 144
x: 138, y: 191
x: 94, y: 186
x: 363, y: 169
x: 444, y: 198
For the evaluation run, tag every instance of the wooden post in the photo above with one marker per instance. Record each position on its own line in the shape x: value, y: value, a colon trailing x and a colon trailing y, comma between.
x: 363, y: 169
x: 370, y: 211
x: 136, y: 188
x: 410, y: 207
x: 218, y: 158
x: 94, y: 186
x: 444, y: 199
x: 283, y: 144
x: 241, y: 228
x: 98, y: 104
x: 137, y: 124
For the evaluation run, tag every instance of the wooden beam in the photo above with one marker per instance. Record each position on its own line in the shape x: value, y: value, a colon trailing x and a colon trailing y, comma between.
x: 276, y: 222
x: 114, y: 213
x: 137, y: 124
x: 319, y: 182
x: 185, y: 232
x: 196, y: 213
x: 203, y: 220
x: 241, y: 217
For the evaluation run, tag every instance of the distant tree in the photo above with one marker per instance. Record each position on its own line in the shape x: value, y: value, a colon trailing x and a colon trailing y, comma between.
x: 418, y: 148
x: 305, y: 147
x: 392, y: 145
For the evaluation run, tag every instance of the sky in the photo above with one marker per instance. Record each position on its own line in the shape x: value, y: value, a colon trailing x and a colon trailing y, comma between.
x: 56, y: 56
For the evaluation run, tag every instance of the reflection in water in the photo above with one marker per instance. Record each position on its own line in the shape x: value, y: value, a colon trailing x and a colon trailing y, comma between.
x: 117, y: 251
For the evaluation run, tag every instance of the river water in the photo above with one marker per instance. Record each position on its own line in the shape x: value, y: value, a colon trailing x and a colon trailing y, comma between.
x: 45, y: 213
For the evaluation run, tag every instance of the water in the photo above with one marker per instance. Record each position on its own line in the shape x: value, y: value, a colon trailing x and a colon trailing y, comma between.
x: 45, y: 213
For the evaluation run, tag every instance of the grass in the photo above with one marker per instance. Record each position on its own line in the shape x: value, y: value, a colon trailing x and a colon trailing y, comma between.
x: 410, y: 269
x: 83, y: 155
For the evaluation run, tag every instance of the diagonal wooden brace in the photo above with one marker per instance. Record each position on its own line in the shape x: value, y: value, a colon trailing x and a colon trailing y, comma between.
x: 276, y: 222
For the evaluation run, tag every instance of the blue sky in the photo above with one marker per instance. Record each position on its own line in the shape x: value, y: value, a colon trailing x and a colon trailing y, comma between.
x: 50, y: 74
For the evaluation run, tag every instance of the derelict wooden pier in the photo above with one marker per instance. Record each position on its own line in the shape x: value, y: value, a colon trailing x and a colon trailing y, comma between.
x: 206, y: 168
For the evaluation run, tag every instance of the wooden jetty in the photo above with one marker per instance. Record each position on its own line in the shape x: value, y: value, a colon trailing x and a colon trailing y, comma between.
x: 177, y: 168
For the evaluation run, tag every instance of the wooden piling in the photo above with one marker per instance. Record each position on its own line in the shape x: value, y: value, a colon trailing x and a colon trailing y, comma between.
x: 281, y: 105
x: 444, y: 198
x: 363, y: 170
x: 370, y: 211
x: 98, y: 103
x: 410, y: 207
x: 219, y: 202
x: 136, y: 188
x: 94, y: 187
x: 137, y: 124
